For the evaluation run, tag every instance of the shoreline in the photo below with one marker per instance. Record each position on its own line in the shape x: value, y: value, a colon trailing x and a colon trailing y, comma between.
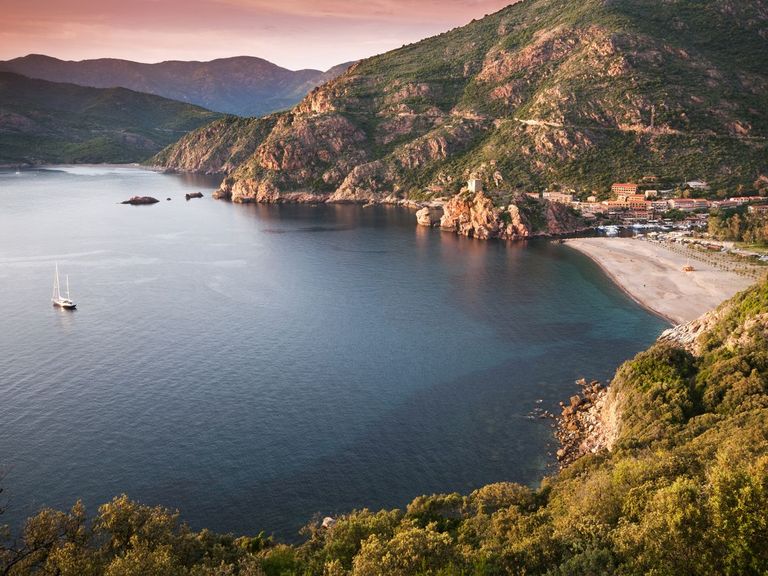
x: 621, y: 285
x: 653, y: 277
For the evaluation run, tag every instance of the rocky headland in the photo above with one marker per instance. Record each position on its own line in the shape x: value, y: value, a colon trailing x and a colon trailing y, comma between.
x: 479, y: 216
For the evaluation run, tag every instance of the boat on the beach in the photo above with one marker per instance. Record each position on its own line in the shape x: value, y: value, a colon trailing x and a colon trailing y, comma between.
x: 57, y: 299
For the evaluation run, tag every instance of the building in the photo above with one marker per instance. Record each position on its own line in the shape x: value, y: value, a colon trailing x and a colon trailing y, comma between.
x: 558, y: 197
x: 614, y: 205
x: 534, y: 195
x: 591, y: 198
x: 688, y: 204
x: 739, y: 200
x: 726, y: 204
x: 697, y: 185
x: 475, y: 185
x: 589, y: 207
x: 637, y: 202
x: 659, y: 205
x: 758, y: 209
x: 651, y: 194
x: 624, y: 189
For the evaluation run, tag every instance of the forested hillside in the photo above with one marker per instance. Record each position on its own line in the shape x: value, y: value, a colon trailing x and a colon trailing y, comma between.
x: 50, y: 122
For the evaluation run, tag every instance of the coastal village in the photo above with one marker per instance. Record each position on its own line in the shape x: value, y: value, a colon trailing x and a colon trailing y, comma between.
x: 630, y: 203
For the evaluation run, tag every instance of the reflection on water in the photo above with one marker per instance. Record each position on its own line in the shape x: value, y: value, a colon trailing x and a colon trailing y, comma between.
x: 252, y: 365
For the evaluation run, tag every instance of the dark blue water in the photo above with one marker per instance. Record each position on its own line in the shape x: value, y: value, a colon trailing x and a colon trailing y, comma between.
x: 254, y: 365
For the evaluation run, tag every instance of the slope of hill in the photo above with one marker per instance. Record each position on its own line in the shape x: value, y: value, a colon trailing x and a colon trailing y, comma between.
x: 217, y: 148
x: 244, y: 85
x: 544, y: 91
x: 48, y: 122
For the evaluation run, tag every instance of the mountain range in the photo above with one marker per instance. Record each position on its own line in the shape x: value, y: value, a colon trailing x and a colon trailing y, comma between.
x: 543, y: 92
x: 52, y: 122
x: 245, y: 86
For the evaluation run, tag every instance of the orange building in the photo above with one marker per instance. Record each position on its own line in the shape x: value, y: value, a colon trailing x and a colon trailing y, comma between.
x: 637, y: 202
x: 624, y: 189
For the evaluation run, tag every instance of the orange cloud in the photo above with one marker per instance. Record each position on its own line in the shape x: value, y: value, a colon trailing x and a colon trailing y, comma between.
x: 292, y: 33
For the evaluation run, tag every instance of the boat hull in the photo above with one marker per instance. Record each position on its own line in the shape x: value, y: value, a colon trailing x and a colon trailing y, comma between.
x: 65, y: 306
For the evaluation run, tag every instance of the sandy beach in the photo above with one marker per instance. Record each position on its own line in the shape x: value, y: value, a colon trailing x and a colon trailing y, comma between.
x: 653, y: 275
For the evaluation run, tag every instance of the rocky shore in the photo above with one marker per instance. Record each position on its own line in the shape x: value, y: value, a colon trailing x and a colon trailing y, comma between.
x: 588, y: 424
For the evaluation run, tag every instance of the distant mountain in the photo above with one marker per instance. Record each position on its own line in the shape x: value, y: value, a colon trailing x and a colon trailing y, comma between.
x: 244, y: 85
x: 543, y: 92
x: 49, y: 122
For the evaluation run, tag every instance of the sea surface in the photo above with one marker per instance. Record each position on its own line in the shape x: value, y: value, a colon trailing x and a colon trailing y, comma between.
x: 252, y: 366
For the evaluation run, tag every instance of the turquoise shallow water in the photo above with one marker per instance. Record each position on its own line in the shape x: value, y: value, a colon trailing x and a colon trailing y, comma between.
x: 254, y: 365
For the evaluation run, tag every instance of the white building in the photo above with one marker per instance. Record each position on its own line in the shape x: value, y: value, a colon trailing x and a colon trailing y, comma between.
x: 558, y: 197
x: 697, y: 185
x: 475, y: 185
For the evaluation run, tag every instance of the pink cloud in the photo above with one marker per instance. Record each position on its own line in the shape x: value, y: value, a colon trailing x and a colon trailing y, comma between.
x: 292, y: 33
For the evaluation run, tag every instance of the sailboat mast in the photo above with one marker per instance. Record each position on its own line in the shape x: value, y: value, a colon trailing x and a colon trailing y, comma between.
x: 56, y: 283
x: 68, y: 287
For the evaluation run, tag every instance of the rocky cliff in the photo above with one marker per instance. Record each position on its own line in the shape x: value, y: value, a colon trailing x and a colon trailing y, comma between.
x: 545, y: 91
x: 480, y: 216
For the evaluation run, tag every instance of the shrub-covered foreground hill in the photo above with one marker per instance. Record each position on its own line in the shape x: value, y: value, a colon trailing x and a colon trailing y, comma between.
x: 684, y: 490
x: 545, y: 91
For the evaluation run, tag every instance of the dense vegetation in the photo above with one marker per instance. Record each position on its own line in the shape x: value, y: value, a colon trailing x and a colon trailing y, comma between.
x: 683, y: 491
x: 47, y: 122
x: 545, y: 91
x: 739, y: 225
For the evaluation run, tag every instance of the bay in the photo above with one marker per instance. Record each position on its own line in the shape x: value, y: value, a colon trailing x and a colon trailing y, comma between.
x: 255, y: 365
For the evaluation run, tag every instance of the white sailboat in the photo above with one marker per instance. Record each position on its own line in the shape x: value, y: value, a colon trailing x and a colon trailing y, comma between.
x: 57, y: 298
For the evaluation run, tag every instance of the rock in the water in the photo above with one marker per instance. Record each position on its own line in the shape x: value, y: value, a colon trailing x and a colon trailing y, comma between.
x: 329, y: 522
x: 193, y: 195
x: 424, y: 217
x: 139, y: 200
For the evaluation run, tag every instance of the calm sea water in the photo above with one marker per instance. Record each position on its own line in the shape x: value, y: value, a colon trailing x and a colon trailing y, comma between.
x: 255, y: 365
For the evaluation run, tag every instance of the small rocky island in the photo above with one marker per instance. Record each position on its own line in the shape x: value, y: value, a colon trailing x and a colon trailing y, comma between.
x: 140, y: 200
x: 193, y: 195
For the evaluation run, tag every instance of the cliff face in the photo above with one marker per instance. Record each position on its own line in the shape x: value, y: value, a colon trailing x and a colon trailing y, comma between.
x: 582, y: 94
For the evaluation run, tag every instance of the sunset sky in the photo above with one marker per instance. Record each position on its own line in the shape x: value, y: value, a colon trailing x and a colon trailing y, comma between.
x: 291, y: 33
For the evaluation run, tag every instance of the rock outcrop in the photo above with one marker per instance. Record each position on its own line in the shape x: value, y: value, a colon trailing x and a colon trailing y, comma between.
x: 477, y: 216
x: 424, y: 217
x: 588, y: 424
x: 140, y: 200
